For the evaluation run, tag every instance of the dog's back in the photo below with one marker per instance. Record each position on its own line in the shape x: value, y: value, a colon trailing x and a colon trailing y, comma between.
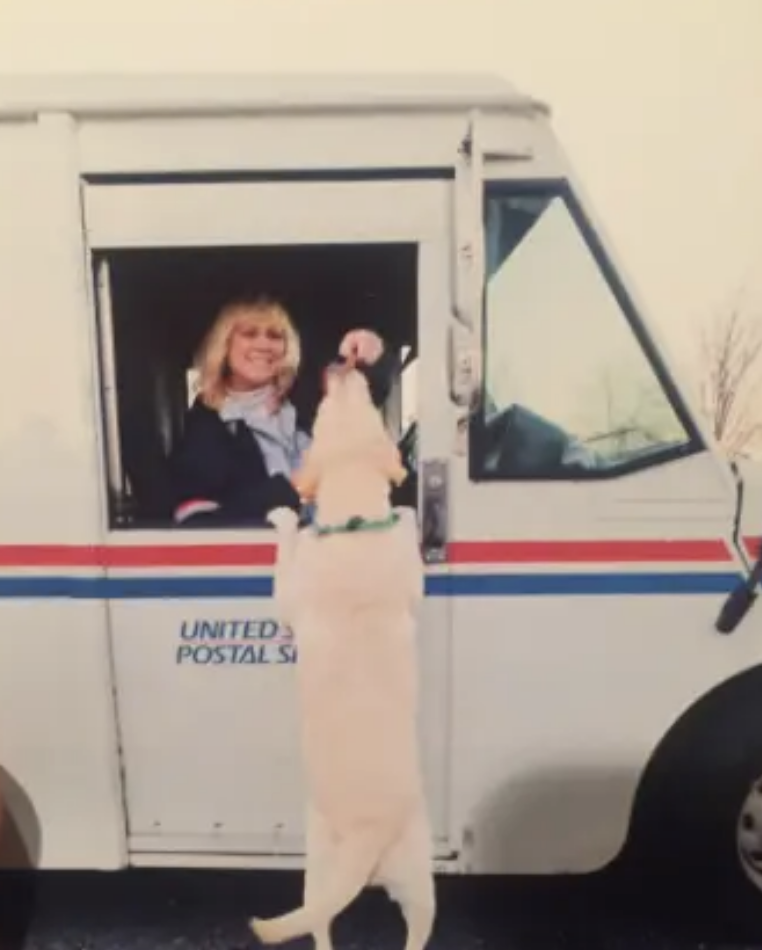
x: 358, y: 674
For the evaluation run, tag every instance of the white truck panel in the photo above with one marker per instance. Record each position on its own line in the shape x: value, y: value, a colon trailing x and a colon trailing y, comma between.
x: 59, y: 739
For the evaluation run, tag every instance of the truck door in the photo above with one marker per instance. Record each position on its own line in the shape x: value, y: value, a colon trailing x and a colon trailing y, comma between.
x: 205, y: 678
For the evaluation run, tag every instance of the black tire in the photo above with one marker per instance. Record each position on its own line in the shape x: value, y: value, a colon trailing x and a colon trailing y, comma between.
x: 684, y: 834
x: 18, y: 878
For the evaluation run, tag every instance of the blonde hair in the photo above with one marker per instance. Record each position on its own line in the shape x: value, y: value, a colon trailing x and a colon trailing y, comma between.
x: 212, y: 359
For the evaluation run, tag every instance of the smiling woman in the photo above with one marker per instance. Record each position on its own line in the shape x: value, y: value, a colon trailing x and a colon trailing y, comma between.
x: 243, y: 437
x: 252, y: 345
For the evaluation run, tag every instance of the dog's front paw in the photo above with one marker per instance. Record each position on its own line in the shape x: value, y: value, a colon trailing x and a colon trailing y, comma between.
x: 407, y: 515
x: 283, y: 518
x: 261, y: 930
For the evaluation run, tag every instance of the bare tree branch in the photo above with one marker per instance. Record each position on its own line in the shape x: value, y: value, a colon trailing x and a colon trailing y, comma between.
x: 731, y: 379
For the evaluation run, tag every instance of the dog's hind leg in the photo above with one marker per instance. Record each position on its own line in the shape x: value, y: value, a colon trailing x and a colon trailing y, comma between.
x: 406, y: 874
x: 419, y: 919
x: 317, y: 865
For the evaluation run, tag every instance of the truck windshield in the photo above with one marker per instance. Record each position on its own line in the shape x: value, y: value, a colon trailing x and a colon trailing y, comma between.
x: 559, y: 343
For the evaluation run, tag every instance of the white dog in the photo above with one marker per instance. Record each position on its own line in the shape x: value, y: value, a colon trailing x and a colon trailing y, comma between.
x: 350, y: 586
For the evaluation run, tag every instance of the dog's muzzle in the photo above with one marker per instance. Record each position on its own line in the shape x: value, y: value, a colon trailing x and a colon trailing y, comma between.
x: 337, y: 369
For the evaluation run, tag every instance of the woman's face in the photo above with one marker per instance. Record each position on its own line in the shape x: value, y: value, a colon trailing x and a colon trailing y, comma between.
x: 255, y: 354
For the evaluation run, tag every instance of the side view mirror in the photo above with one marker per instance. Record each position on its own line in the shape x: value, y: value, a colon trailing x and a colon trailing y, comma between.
x: 740, y: 600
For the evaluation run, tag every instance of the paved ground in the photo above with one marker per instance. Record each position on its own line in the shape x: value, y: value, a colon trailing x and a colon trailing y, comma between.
x: 159, y: 910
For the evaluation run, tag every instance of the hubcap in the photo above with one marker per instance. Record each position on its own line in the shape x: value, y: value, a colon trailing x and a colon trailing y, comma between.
x: 749, y: 835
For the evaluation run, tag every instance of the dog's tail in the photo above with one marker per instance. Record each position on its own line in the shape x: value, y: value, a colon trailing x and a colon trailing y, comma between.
x: 353, y: 864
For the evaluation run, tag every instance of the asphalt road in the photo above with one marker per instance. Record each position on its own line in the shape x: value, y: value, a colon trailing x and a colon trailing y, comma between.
x: 160, y: 910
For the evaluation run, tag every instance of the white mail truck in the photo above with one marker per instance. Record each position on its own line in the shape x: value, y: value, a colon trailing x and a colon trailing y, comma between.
x: 580, y: 529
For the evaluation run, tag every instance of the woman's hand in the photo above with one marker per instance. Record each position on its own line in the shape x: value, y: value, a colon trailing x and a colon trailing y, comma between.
x: 363, y: 346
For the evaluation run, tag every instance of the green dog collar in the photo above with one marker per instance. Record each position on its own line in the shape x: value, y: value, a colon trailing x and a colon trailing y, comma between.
x: 356, y: 524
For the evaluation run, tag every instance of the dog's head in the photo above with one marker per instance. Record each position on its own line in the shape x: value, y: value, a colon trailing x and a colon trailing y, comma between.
x: 348, y: 429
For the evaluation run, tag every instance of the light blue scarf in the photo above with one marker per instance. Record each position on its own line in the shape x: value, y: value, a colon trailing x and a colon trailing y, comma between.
x: 276, y: 433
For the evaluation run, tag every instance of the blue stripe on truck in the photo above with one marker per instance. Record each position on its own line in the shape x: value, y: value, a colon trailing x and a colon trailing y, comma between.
x: 455, y: 585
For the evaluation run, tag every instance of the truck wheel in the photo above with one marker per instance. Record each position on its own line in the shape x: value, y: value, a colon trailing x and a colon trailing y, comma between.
x: 696, y: 834
x: 749, y: 834
x: 18, y: 860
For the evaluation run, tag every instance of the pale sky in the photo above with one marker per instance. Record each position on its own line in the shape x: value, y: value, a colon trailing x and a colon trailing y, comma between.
x: 656, y: 101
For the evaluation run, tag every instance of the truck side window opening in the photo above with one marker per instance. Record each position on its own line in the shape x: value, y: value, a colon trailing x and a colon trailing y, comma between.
x: 164, y: 300
x: 569, y: 391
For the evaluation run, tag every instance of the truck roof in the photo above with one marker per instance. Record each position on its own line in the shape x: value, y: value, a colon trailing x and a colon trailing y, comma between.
x: 172, y: 94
